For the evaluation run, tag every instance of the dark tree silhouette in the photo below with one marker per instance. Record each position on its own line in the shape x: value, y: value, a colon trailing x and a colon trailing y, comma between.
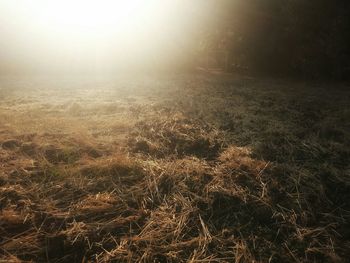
x: 305, y: 38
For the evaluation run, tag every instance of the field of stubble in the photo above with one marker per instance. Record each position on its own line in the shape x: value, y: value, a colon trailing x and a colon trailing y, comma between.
x: 188, y: 168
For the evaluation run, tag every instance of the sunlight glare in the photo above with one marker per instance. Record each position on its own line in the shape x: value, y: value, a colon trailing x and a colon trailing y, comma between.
x: 96, y: 33
x: 95, y: 18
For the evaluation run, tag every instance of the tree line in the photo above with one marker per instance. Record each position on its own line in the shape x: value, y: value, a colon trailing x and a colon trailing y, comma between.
x: 309, y: 38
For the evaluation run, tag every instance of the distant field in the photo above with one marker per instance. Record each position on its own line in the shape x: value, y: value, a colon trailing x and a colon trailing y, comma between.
x: 182, y: 168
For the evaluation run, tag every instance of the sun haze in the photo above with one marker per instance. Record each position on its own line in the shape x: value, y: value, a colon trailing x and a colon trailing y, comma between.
x: 94, y: 34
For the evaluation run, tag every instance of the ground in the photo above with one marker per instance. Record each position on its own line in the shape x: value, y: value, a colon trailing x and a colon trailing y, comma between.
x: 174, y: 168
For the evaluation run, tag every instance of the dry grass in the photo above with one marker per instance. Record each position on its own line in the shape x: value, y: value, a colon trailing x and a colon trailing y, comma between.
x: 169, y: 176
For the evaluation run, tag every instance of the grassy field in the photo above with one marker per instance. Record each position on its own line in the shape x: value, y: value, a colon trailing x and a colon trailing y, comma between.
x: 187, y: 168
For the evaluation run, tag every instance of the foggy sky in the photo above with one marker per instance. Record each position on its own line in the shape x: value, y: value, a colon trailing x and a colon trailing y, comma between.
x: 29, y: 44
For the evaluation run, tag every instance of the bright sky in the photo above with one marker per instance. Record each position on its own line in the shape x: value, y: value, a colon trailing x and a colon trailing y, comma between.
x: 81, y: 31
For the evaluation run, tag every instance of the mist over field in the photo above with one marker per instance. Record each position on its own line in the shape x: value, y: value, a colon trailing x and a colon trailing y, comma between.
x: 174, y: 131
x: 42, y: 37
